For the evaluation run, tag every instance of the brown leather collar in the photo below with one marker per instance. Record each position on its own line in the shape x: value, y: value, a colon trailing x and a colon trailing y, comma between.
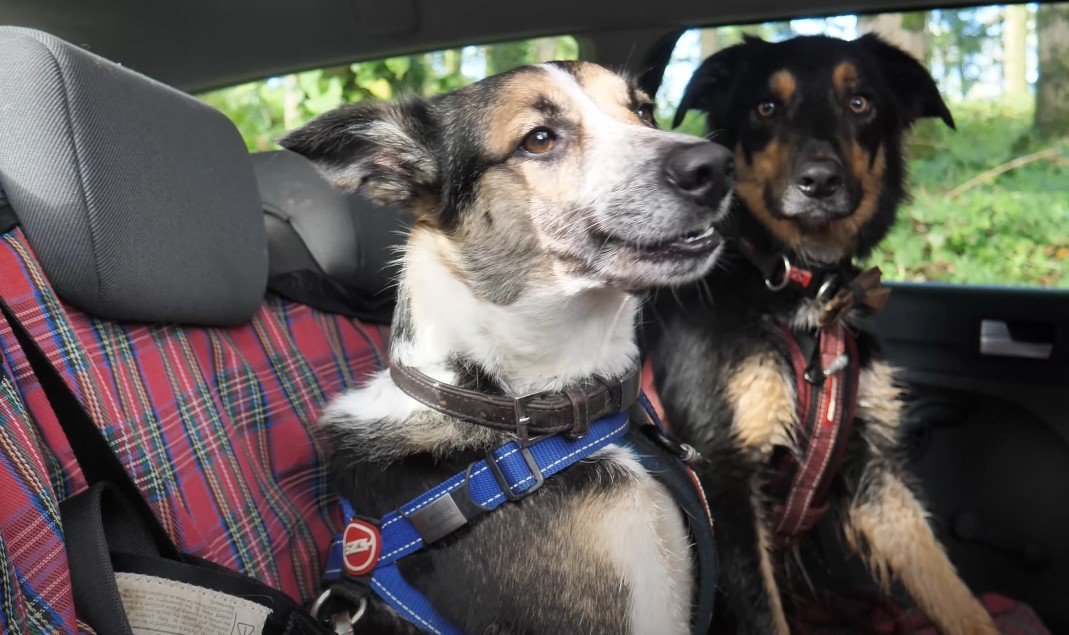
x: 569, y: 411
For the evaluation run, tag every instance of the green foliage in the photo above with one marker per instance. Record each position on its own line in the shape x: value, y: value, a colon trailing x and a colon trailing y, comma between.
x: 264, y: 110
x: 1007, y: 229
x: 693, y: 123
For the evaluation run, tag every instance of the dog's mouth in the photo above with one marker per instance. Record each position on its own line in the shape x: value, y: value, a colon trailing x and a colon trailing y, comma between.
x: 816, y: 214
x: 819, y: 216
x: 696, y: 242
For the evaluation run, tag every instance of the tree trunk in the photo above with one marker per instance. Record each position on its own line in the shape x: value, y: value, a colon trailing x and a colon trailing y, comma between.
x: 709, y: 43
x: 907, y: 31
x: 1052, y: 87
x: 963, y: 77
x: 1014, y: 47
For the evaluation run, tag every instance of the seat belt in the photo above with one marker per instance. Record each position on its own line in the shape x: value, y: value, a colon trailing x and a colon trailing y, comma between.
x: 126, y: 572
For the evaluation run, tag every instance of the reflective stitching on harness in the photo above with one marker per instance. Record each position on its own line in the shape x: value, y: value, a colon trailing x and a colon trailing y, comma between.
x: 824, y: 405
x: 825, y: 412
x: 450, y: 490
x: 429, y: 501
x: 560, y: 460
x: 401, y: 548
x: 835, y: 396
x: 495, y: 497
x: 411, y: 612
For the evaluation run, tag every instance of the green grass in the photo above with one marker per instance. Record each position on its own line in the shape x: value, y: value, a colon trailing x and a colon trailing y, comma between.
x: 1011, y: 229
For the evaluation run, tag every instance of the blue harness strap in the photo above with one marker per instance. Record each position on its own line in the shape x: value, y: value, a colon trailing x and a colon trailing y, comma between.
x: 507, y: 473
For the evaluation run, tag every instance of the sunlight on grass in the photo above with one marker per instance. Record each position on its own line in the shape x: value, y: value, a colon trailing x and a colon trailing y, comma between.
x: 1007, y: 229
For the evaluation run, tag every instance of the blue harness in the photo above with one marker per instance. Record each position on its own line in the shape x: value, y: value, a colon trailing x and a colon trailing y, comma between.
x: 368, y: 552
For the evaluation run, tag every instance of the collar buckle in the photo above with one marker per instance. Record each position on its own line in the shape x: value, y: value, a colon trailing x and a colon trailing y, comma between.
x: 523, y: 416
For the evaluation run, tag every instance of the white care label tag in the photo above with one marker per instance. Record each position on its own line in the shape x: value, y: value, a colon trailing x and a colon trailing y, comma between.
x: 156, y: 606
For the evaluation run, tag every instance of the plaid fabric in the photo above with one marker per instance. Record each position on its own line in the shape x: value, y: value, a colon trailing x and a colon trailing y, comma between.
x: 868, y: 614
x: 214, y: 425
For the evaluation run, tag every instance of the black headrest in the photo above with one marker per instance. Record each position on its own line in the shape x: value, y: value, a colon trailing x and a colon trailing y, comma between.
x: 328, y: 250
x: 138, y: 200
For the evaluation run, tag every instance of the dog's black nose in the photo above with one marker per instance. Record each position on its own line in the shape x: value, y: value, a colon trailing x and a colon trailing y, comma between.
x: 819, y: 179
x: 701, y: 171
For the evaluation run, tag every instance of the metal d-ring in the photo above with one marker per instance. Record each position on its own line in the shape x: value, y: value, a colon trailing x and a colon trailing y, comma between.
x: 342, y: 622
x: 782, y: 284
x: 824, y: 293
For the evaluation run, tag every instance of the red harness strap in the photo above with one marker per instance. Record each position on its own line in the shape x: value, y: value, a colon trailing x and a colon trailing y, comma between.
x: 826, y: 407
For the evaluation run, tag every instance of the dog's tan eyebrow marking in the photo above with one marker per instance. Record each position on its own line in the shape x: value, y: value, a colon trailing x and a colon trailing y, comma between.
x: 783, y: 85
x: 608, y: 90
x: 844, y: 76
x: 525, y: 101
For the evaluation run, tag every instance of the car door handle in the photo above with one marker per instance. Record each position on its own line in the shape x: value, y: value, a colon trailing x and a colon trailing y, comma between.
x: 996, y: 339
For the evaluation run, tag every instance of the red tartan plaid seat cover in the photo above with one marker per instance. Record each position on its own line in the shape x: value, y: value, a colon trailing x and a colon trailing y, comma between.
x: 216, y: 426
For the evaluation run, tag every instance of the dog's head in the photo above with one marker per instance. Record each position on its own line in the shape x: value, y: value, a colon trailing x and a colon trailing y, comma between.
x: 546, y: 172
x: 816, y: 125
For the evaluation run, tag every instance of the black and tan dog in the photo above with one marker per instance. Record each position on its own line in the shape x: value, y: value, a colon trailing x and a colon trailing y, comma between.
x: 546, y: 200
x: 816, y: 125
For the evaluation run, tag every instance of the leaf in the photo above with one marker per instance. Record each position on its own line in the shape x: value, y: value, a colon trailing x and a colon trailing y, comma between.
x: 380, y: 88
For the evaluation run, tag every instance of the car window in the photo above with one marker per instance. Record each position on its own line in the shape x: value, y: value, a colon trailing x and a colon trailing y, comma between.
x: 990, y: 201
x: 263, y: 110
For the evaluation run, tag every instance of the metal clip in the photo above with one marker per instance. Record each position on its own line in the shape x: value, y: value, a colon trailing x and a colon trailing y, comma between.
x: 782, y: 284
x: 682, y: 451
x: 343, y: 622
x: 499, y: 475
x: 836, y: 365
x: 827, y: 289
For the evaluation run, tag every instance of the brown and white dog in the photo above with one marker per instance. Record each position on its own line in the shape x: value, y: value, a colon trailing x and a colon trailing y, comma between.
x: 546, y: 199
x: 816, y: 125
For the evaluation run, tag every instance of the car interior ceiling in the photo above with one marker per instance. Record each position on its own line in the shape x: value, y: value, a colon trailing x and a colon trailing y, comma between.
x: 197, y: 46
x: 977, y: 422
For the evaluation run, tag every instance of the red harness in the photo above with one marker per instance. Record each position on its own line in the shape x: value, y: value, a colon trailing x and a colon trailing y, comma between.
x: 827, y: 381
x: 827, y: 401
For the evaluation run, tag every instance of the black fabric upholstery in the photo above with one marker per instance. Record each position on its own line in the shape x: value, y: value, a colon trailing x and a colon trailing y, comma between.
x: 328, y: 250
x: 139, y: 200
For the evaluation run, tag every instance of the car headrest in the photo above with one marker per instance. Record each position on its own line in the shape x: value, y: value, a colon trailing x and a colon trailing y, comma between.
x: 329, y: 250
x: 138, y: 200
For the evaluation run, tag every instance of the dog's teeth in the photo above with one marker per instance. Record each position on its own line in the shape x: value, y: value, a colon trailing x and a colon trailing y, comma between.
x: 698, y: 234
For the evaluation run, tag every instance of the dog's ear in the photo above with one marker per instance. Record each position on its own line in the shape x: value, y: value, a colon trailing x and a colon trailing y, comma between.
x: 382, y: 149
x: 711, y: 86
x: 911, y: 83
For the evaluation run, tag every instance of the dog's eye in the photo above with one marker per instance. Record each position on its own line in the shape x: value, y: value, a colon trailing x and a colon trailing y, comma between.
x: 645, y: 113
x: 859, y: 105
x: 766, y: 108
x: 539, y: 141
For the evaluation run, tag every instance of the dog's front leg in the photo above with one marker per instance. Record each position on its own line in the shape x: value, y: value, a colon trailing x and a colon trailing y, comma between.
x: 901, y: 543
x: 747, y: 574
x: 883, y: 513
x: 761, y: 400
